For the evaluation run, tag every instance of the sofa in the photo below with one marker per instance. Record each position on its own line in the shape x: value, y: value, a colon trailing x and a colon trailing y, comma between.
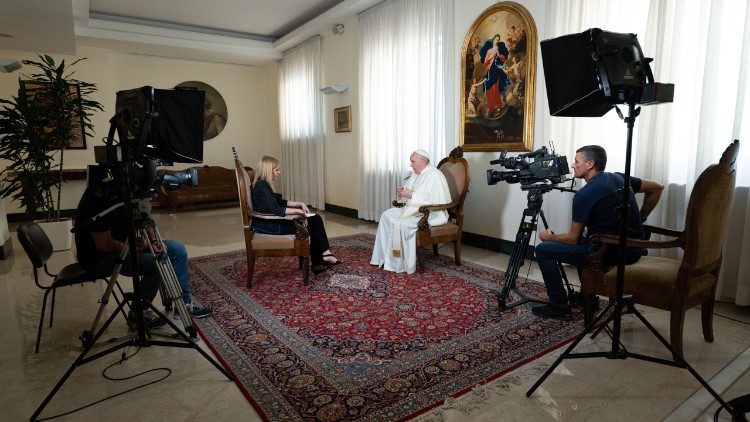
x: 215, y: 185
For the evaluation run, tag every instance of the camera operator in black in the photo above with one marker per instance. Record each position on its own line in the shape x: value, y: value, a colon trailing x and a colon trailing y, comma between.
x: 99, y: 245
x: 594, y: 208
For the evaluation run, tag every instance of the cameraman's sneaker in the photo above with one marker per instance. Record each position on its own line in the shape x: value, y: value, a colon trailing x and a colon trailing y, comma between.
x: 195, y: 310
x: 150, y: 319
x: 561, y: 312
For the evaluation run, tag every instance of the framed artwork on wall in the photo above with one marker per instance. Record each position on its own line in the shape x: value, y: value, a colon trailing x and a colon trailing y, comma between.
x: 342, y: 119
x: 498, y: 80
x: 31, y: 88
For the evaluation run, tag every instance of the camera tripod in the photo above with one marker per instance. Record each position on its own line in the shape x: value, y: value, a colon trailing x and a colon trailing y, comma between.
x: 133, y: 300
x: 170, y: 290
x: 624, y: 303
x: 520, y: 248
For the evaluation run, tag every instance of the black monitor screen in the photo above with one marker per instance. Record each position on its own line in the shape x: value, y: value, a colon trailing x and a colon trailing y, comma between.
x: 174, y: 134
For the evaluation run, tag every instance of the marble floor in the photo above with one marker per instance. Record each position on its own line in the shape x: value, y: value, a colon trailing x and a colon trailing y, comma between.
x: 580, y: 389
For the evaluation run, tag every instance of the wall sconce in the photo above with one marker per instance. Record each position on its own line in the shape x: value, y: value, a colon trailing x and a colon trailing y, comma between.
x: 333, y: 89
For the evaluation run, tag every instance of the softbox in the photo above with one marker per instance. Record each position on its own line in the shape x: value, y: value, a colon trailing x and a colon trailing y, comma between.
x: 587, y: 73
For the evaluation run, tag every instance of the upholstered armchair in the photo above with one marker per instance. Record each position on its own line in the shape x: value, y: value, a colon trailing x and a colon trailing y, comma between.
x: 266, y: 245
x: 456, y: 171
x: 670, y: 284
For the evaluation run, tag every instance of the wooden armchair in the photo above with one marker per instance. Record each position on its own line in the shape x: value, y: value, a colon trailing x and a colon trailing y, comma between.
x: 671, y: 284
x: 261, y: 245
x: 456, y: 171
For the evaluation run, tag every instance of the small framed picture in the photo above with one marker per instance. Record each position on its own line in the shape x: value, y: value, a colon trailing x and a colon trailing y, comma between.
x: 342, y: 119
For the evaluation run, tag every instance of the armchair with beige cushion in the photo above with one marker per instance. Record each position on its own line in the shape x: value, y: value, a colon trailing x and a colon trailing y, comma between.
x: 670, y: 284
x: 268, y: 245
x: 456, y: 172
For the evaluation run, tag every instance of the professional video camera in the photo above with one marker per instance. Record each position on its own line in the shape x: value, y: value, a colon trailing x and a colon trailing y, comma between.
x: 546, y: 169
x: 155, y: 127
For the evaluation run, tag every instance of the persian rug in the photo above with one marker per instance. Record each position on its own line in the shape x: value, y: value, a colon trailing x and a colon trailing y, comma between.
x: 362, y: 343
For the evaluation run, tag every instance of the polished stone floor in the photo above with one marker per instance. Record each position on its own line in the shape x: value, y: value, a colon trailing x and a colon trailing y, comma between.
x: 581, y: 389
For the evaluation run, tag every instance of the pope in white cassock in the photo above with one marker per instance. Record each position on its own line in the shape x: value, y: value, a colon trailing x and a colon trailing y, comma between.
x: 395, y: 245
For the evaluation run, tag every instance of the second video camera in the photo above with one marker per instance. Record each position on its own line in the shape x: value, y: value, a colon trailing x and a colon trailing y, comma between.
x: 531, y: 168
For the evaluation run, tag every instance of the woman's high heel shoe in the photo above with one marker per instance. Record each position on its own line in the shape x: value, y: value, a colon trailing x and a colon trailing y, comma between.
x: 320, y: 268
x: 330, y: 255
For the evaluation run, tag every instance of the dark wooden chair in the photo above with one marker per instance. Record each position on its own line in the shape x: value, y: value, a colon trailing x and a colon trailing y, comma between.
x: 38, y: 248
x: 456, y: 171
x: 266, y: 245
x: 672, y: 284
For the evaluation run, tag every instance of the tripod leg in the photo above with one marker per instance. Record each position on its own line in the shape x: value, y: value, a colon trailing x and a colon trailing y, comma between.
x: 82, y: 359
x: 680, y: 360
x: 170, y: 287
x: 567, y: 351
x: 189, y: 343
x: 111, y: 282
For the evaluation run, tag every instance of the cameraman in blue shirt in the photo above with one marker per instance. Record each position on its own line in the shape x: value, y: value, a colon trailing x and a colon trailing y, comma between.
x: 595, y: 209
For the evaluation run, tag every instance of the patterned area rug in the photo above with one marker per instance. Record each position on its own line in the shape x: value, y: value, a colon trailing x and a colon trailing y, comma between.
x: 362, y: 343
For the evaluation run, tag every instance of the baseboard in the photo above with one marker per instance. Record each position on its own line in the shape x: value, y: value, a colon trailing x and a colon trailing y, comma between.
x: 493, y: 244
x: 346, y: 212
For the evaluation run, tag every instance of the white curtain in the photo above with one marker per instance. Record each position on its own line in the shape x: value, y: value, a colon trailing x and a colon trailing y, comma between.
x: 701, y: 47
x: 300, y: 116
x: 404, y: 70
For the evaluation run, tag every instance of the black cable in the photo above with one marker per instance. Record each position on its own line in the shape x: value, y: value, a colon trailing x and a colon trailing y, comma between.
x: 104, y: 374
x: 739, y: 405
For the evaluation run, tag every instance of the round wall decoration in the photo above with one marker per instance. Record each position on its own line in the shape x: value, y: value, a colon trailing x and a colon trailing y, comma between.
x: 215, y: 115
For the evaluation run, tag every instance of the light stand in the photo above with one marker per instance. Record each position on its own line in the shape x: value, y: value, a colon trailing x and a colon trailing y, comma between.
x: 136, y: 304
x: 621, y: 301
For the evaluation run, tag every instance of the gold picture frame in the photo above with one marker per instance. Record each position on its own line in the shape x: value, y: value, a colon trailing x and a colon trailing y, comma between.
x: 498, y: 80
x: 30, y: 89
x: 342, y: 119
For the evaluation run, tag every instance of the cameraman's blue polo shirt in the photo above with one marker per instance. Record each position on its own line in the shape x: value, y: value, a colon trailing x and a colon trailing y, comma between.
x: 595, y: 205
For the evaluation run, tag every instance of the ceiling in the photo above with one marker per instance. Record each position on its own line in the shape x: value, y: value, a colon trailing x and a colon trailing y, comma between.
x: 246, y: 32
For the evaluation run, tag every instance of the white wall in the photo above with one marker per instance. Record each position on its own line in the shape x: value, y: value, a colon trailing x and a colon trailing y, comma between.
x: 339, y: 58
x: 250, y: 94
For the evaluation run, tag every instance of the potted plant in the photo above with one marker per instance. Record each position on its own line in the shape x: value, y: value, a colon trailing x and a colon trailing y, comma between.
x: 51, y: 109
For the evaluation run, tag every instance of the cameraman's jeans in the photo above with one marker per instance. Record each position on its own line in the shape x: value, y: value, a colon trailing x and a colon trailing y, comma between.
x: 548, y: 254
x: 150, y: 278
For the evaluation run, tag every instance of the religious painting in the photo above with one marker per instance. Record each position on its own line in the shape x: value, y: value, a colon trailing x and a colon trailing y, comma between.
x: 342, y: 119
x: 498, y: 80
x: 215, y: 114
x: 33, y: 88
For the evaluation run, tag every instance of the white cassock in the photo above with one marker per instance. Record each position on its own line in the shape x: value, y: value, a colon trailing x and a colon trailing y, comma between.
x: 395, y: 245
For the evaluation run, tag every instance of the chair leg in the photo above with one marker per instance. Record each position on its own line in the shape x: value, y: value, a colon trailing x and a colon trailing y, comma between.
x: 589, y: 307
x: 457, y: 251
x: 420, y: 262
x: 707, y: 320
x: 305, y: 264
x: 250, y: 270
x: 41, y: 321
x: 301, y: 262
x: 434, y: 249
x: 676, y: 322
x: 52, y: 307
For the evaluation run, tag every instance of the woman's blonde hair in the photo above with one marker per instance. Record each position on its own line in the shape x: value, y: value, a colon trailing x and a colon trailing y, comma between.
x: 264, y: 170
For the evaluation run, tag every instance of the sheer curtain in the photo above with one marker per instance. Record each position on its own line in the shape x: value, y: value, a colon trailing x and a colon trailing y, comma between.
x: 404, y: 70
x: 703, y: 48
x: 300, y: 116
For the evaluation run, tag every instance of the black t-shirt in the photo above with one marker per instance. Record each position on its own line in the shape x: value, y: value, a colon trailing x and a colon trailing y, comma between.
x: 114, y: 222
x: 595, y: 205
